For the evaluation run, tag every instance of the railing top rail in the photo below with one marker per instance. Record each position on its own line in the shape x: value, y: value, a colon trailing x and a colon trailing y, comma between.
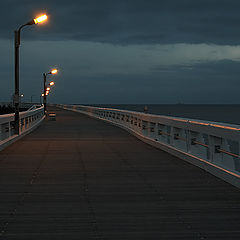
x: 30, y: 112
x: 6, y: 115
x: 226, y: 126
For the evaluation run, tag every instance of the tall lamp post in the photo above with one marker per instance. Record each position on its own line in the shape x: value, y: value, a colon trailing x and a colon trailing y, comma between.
x: 17, y: 46
x: 54, y: 71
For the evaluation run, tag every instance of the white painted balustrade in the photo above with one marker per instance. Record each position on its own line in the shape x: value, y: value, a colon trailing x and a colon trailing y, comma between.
x: 210, y: 145
x: 28, y: 121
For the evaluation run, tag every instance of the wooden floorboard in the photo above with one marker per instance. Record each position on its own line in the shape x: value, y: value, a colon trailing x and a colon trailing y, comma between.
x: 81, y: 178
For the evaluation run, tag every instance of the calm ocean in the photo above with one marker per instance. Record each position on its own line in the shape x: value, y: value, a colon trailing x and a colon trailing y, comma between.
x: 228, y: 113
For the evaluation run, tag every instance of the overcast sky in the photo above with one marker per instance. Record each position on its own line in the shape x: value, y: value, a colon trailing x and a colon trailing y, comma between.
x: 124, y: 51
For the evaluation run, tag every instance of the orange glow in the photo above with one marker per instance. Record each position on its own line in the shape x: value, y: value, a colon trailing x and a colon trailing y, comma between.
x: 48, y: 89
x: 225, y: 127
x: 47, y: 92
x: 215, y: 125
x: 54, y: 71
x: 40, y: 19
x: 208, y: 124
x: 42, y: 94
x: 200, y: 123
x: 52, y: 83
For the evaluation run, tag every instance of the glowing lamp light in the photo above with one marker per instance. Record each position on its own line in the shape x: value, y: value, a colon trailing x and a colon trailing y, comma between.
x: 42, y: 94
x: 48, y: 89
x: 54, y: 71
x: 52, y: 83
x: 40, y: 19
x: 47, y: 92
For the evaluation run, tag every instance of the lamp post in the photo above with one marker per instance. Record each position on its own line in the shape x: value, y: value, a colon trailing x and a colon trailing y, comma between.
x: 54, y: 71
x: 32, y: 97
x: 17, y: 46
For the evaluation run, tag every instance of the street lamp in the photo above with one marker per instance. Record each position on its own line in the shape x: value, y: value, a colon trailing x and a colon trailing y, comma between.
x: 53, y: 71
x: 41, y: 96
x: 17, y: 46
x: 21, y: 99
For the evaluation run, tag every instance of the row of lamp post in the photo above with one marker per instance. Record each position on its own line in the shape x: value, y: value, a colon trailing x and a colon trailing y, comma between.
x: 17, y: 37
x: 46, y: 88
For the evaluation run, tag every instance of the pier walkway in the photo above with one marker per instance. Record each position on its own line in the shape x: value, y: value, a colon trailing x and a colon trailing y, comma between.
x: 81, y: 178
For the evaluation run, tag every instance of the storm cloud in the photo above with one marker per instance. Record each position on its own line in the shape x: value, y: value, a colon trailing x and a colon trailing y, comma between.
x: 133, y: 51
x: 128, y: 21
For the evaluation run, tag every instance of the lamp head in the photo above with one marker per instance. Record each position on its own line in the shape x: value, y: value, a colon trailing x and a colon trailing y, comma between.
x: 38, y: 20
x: 54, y: 71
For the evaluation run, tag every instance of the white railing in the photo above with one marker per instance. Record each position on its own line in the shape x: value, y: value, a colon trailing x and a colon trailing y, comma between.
x: 28, y: 121
x: 212, y: 146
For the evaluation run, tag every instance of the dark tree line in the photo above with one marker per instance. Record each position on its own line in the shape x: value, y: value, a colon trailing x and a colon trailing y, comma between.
x: 6, y: 109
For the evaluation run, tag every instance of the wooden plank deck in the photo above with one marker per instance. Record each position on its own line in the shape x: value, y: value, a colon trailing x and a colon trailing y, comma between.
x: 80, y: 178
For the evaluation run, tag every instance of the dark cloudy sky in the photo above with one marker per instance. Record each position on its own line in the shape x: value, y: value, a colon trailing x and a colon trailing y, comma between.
x: 125, y: 51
